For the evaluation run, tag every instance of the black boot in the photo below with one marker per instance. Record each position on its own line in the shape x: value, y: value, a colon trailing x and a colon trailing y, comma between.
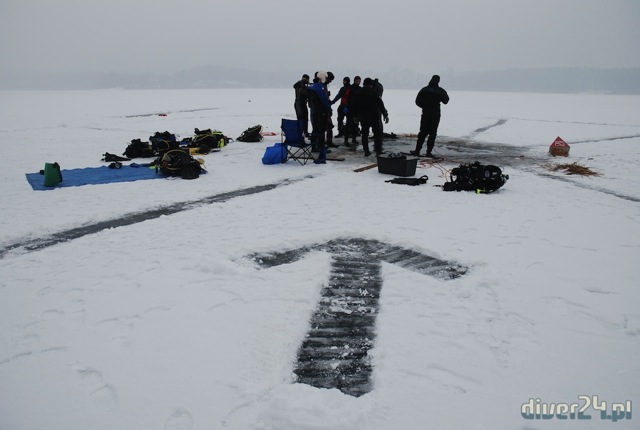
x: 430, y: 145
x: 417, y: 150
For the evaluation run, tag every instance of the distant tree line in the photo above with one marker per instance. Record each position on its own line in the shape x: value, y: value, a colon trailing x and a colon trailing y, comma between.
x: 554, y: 80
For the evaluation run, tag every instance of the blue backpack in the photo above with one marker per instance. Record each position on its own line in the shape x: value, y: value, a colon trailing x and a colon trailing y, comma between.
x: 275, y: 154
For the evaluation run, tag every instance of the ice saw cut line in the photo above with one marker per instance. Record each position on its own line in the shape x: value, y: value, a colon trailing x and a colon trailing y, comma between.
x: 28, y: 245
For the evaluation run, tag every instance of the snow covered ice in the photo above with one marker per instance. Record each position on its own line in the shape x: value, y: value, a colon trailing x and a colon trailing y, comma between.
x: 168, y: 324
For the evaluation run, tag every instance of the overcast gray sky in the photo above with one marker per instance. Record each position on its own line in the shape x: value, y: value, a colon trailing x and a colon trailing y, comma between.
x: 461, y: 35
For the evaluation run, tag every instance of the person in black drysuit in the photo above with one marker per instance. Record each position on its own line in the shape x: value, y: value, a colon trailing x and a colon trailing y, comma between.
x: 377, y: 86
x: 367, y: 107
x: 429, y: 99
x: 300, y: 103
x: 326, y: 78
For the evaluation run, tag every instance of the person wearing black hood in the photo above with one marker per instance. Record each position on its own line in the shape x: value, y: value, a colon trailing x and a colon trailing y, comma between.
x: 368, y: 107
x: 301, y: 102
x: 429, y: 99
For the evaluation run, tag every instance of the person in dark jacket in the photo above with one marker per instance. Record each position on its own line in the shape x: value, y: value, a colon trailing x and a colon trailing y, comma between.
x: 329, y: 77
x: 377, y: 86
x: 429, y: 99
x: 320, y: 116
x: 343, y: 96
x: 300, y: 103
x: 350, y: 126
x: 368, y: 106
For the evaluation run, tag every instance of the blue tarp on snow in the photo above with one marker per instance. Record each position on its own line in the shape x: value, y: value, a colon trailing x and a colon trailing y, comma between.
x: 95, y: 176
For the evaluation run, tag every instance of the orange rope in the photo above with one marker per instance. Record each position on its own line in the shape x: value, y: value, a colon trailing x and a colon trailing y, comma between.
x: 426, y: 163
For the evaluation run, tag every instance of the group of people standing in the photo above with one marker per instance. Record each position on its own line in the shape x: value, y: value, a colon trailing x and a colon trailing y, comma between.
x: 361, y: 110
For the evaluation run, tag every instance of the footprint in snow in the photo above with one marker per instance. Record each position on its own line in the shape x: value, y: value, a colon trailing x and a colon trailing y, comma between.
x: 180, y: 420
x: 101, y: 395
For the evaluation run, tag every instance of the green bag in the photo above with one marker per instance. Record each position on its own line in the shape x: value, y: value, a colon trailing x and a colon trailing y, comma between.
x: 52, y: 174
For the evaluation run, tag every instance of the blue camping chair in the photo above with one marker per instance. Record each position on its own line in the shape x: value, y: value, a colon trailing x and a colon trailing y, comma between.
x: 293, y: 139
